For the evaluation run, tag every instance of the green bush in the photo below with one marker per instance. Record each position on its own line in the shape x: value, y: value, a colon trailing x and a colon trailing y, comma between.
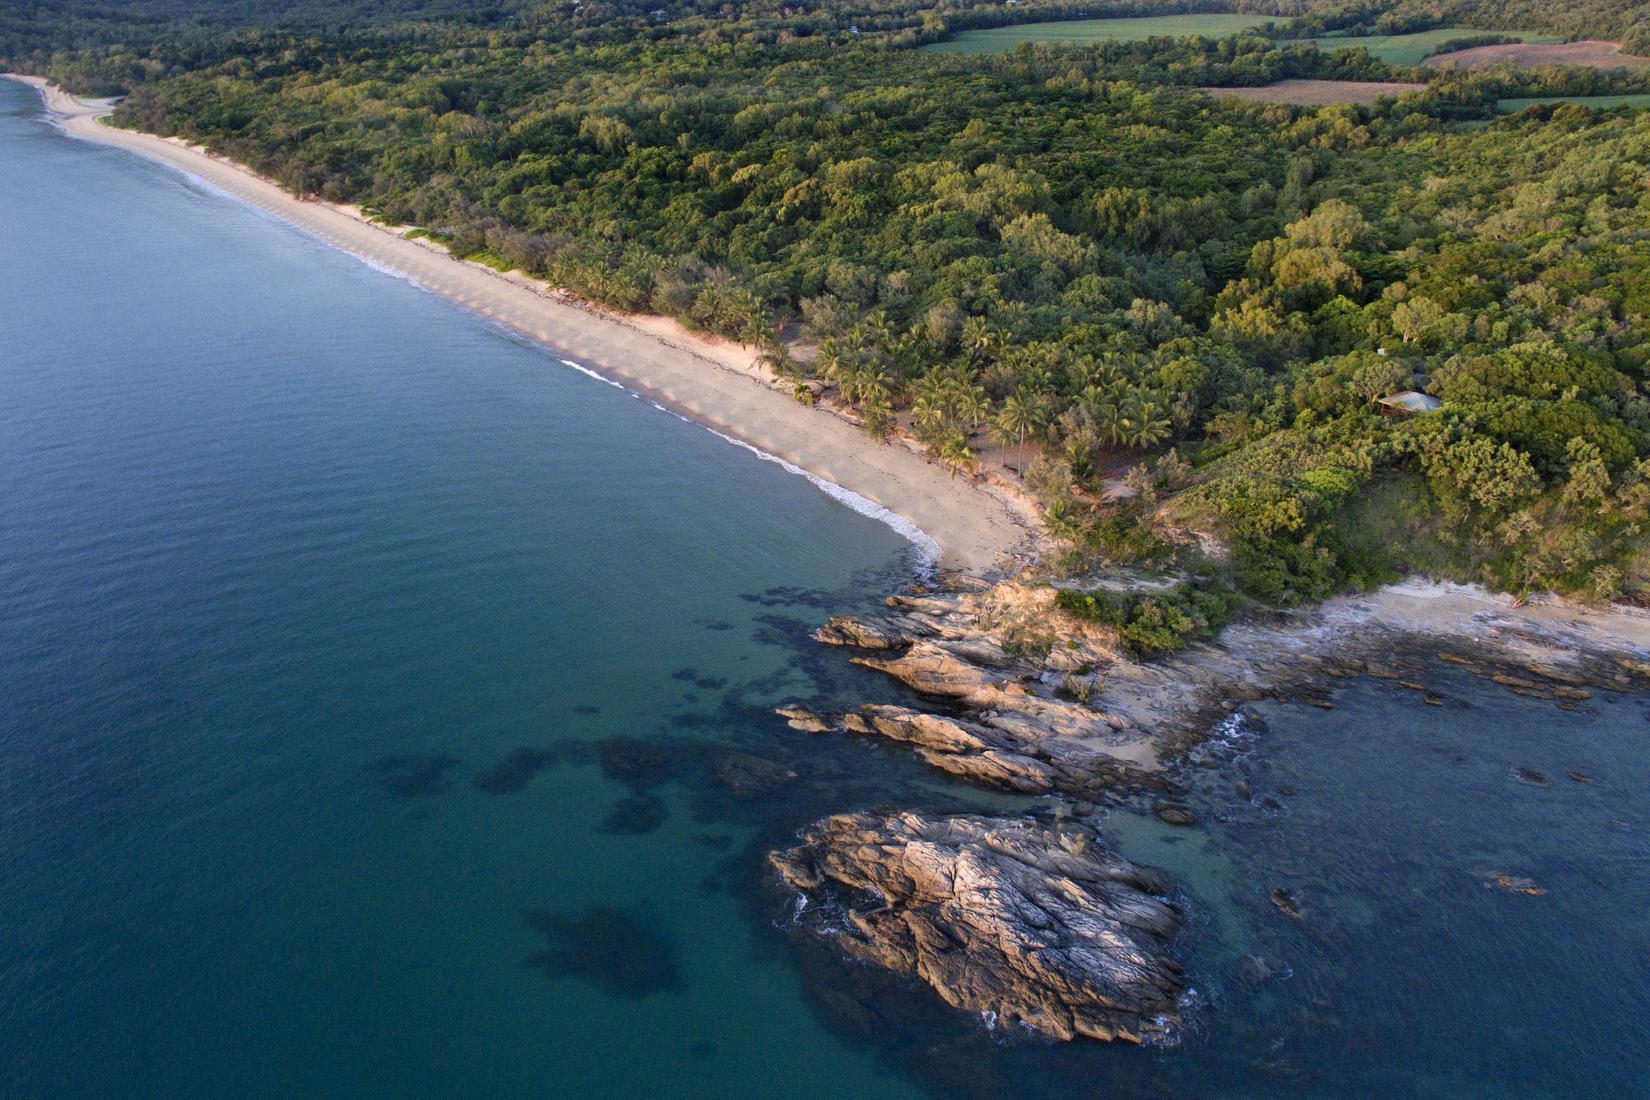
x: 1152, y: 624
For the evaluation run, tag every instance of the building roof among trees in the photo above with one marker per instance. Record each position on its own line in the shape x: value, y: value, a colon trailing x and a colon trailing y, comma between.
x: 1410, y: 401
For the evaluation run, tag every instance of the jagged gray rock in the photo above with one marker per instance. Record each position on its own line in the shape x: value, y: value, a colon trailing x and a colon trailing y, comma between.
x: 1024, y: 922
x: 1002, y: 750
x: 983, y: 650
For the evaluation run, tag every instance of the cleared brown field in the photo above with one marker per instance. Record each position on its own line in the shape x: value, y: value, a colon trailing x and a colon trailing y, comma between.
x: 1526, y: 55
x: 1316, y: 93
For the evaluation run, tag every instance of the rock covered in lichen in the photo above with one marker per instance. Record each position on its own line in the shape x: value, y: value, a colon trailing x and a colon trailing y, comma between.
x: 1017, y: 920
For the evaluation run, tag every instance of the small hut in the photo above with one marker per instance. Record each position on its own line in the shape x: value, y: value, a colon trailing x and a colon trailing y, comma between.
x: 1407, y: 403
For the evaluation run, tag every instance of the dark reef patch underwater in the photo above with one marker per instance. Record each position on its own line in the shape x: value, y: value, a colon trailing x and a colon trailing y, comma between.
x: 605, y: 947
x: 423, y: 776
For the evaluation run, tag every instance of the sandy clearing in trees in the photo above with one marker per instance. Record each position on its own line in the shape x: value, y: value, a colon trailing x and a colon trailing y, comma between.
x: 1316, y: 93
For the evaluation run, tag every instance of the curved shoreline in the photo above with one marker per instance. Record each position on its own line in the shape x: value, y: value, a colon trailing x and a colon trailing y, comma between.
x: 973, y: 527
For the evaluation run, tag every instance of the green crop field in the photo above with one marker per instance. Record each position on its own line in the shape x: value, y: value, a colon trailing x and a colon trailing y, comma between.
x: 1410, y: 49
x: 1087, y: 31
x: 1513, y: 106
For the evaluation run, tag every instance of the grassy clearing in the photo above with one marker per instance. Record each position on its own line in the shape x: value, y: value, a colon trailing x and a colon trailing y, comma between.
x: 1529, y: 55
x: 1601, y: 102
x: 1393, y: 525
x: 1082, y: 32
x: 1412, y: 49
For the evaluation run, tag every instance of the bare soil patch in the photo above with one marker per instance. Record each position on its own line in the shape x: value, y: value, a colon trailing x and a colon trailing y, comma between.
x: 1317, y: 93
x: 1526, y: 55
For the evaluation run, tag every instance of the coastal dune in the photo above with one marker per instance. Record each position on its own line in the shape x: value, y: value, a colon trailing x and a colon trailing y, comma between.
x: 977, y: 529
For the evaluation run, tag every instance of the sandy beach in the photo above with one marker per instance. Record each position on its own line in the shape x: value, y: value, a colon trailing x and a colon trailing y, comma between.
x: 977, y: 528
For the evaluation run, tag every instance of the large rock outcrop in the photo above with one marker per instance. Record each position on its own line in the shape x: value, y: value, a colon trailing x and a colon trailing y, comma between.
x: 1039, y: 700
x: 999, y: 748
x: 1012, y: 662
x: 1020, y: 921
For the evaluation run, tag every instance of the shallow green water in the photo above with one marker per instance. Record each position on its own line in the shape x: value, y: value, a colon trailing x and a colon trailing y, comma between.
x: 366, y: 692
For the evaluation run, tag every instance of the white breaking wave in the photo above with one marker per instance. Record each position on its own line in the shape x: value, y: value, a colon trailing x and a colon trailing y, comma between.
x: 927, y: 549
x: 582, y: 369
x: 383, y: 268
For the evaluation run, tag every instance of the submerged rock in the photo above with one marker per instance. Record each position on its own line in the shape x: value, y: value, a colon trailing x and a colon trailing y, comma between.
x: 422, y: 776
x: 1176, y: 815
x: 747, y: 775
x: 636, y: 815
x: 1027, y: 923
x: 1254, y: 970
x: 644, y: 763
x: 605, y: 947
x: 515, y: 771
x: 1512, y: 884
x: 1286, y: 903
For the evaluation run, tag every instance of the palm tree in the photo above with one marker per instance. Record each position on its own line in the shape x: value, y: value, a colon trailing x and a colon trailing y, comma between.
x: 835, y: 364
x: 958, y: 455
x: 928, y: 414
x: 973, y: 406
x: 746, y: 316
x: 1020, y: 414
x: 1141, y: 426
x: 1094, y: 398
x: 976, y: 337
x: 775, y: 357
x: 1061, y: 521
x: 710, y: 307
x: 1108, y: 421
x: 876, y: 412
x: 871, y: 384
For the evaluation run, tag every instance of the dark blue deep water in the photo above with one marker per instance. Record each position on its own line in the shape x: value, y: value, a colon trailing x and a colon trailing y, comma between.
x: 368, y: 688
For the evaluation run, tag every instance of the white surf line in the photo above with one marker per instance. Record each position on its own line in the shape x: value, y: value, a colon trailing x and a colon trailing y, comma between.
x: 927, y: 549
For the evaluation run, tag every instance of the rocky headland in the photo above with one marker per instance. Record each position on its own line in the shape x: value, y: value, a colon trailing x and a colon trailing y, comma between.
x: 1034, y: 699
x: 1033, y: 920
x: 1024, y: 923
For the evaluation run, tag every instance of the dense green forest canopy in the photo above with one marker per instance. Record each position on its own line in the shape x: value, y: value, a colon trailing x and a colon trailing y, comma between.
x: 1070, y: 252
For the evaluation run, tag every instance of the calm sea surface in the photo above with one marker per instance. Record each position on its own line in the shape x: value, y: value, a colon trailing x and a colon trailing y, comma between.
x: 384, y: 713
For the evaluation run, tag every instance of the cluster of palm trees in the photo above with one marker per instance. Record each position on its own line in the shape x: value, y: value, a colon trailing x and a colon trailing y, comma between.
x: 948, y: 397
x: 946, y: 405
x: 734, y: 311
x: 864, y: 364
x: 870, y: 363
x: 1130, y: 419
